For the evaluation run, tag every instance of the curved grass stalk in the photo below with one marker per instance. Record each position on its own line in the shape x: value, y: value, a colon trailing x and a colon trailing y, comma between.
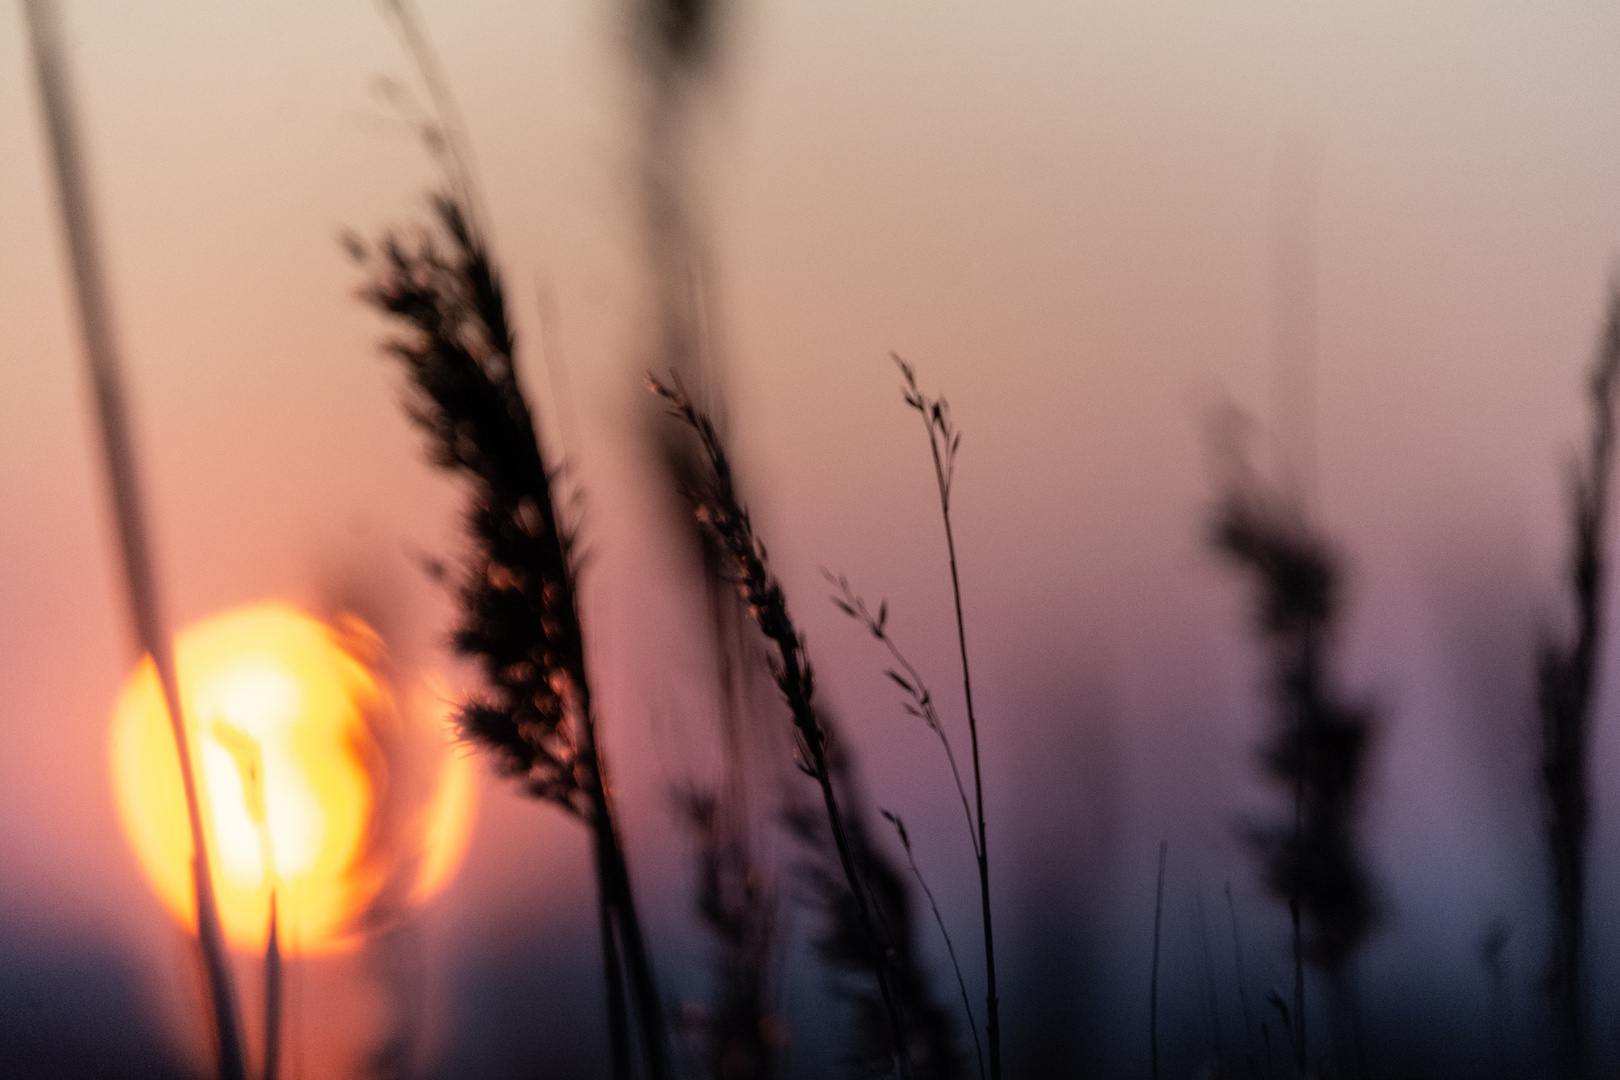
x: 101, y: 355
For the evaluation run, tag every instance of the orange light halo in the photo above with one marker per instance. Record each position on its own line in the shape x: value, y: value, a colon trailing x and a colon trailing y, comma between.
x: 278, y: 710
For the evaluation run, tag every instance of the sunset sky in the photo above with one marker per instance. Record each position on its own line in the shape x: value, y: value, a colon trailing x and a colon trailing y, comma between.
x: 1067, y: 215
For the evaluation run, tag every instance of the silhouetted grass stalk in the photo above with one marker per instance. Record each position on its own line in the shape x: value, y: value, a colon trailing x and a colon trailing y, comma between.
x: 249, y: 758
x: 519, y: 599
x: 1153, y: 981
x: 101, y: 354
x: 1214, y: 1001
x: 943, y: 439
x: 719, y: 508
x: 1242, y: 986
x: 950, y: 947
x: 1567, y: 681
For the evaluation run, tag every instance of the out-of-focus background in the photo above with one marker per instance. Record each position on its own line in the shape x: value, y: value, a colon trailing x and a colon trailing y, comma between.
x: 1077, y: 221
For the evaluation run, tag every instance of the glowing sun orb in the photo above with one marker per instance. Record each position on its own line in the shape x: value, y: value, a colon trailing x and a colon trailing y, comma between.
x: 313, y: 782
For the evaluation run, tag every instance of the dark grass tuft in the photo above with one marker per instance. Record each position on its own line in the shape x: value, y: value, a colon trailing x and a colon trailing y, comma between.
x: 519, y: 612
x: 718, y: 507
x: 519, y: 604
x: 1318, y: 748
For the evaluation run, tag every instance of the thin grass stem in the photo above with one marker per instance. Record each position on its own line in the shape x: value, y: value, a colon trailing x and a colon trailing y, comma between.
x: 140, y: 579
x: 943, y: 440
x: 1242, y: 986
x: 272, y: 994
x: 1153, y: 980
x: 950, y: 948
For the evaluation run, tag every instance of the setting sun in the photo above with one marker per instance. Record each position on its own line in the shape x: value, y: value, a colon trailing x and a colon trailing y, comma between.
x: 316, y: 784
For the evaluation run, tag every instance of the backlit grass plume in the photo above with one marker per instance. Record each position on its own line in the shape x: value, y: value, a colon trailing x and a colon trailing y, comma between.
x: 520, y: 614
x: 719, y: 508
x: 1319, y: 741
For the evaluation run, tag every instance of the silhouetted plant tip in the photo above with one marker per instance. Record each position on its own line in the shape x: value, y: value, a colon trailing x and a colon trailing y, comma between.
x: 921, y: 701
x: 1566, y: 685
x: 718, y: 507
x: 1275, y: 1000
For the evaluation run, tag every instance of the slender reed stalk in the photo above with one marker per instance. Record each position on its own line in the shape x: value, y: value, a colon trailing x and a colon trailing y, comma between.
x: 943, y: 440
x: 1493, y: 942
x: 1275, y: 1000
x: 618, y: 1007
x: 249, y: 758
x: 1242, y: 985
x: 1153, y: 981
x: 1214, y: 1001
x: 123, y: 481
x: 950, y: 947
x: 520, y: 615
x: 272, y: 995
x: 1567, y: 685
x: 719, y: 508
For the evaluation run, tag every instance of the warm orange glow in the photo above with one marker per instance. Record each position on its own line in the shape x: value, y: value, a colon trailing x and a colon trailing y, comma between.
x: 296, y: 737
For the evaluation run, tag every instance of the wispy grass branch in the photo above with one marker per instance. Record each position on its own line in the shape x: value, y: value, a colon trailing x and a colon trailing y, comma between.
x: 920, y: 701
